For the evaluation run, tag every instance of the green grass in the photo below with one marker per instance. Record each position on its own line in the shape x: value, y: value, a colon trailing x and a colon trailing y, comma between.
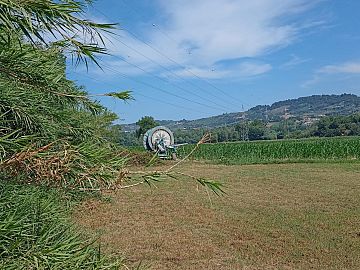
x: 280, y: 151
x: 35, y: 232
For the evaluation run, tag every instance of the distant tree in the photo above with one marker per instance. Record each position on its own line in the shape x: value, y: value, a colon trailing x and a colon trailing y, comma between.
x: 292, y: 128
x: 337, y: 126
x: 257, y: 130
x: 223, y: 135
x: 243, y: 130
x: 145, y: 123
x: 129, y: 139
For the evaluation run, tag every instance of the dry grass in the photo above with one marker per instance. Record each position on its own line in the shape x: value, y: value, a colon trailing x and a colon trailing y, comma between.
x: 288, y: 216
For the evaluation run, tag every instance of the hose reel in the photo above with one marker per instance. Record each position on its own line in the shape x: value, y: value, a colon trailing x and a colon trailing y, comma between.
x: 160, y: 140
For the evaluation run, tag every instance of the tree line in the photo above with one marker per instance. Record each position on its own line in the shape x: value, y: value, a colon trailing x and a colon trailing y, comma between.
x: 292, y: 128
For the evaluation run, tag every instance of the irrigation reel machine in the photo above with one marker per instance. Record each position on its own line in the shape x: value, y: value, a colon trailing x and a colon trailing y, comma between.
x: 160, y: 140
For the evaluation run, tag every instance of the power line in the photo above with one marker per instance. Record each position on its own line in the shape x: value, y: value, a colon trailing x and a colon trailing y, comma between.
x: 186, y: 69
x: 164, y: 33
x: 174, y: 41
x: 140, y: 94
x: 155, y: 87
x: 170, y: 71
x: 183, y: 67
x: 168, y: 103
x: 155, y: 76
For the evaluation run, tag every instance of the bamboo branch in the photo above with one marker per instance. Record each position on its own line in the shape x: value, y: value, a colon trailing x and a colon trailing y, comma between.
x: 204, y: 139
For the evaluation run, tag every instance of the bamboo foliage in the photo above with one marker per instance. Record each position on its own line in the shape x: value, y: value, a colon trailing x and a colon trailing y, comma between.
x: 36, y: 233
x: 51, y: 130
x: 37, y: 20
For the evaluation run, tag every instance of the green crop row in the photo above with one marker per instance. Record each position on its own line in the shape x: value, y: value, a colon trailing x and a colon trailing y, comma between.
x: 307, y: 150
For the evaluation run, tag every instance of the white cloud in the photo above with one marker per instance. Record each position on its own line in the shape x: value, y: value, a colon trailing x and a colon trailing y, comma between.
x: 330, y: 72
x: 348, y: 67
x: 204, y: 33
x: 228, y: 29
x: 294, y: 61
x: 248, y: 69
x: 242, y: 70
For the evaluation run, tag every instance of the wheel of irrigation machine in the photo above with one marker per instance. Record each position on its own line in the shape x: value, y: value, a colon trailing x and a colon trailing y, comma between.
x: 158, y: 134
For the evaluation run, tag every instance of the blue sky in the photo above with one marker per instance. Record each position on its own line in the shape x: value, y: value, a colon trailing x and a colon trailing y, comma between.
x: 190, y: 59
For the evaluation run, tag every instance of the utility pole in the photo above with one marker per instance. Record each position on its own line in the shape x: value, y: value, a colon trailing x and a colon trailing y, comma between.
x: 266, y: 115
x: 286, y: 117
x: 245, y: 131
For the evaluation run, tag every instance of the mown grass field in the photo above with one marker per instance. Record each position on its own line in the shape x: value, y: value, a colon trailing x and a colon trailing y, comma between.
x: 279, y: 151
x: 274, y: 216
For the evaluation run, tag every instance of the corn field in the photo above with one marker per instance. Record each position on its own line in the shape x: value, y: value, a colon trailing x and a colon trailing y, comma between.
x: 307, y: 150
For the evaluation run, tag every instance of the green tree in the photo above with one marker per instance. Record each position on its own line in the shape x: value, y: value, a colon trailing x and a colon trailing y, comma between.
x: 257, y: 129
x: 145, y: 123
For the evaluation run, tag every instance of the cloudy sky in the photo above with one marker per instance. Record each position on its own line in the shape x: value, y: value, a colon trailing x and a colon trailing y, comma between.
x: 196, y: 58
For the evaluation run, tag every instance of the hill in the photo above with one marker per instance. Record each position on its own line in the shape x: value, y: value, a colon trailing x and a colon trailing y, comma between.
x: 307, y: 109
